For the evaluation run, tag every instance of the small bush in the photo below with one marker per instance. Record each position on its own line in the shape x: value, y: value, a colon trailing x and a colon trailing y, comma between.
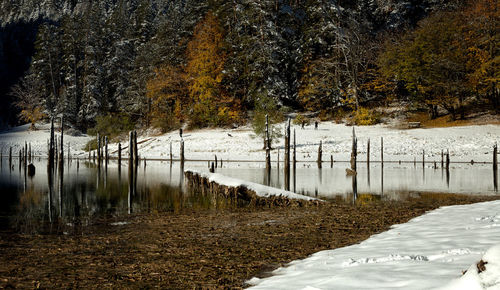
x: 301, y: 119
x: 339, y: 116
x: 364, y: 117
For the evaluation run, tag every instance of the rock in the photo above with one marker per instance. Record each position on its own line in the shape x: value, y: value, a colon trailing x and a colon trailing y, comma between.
x: 31, y: 170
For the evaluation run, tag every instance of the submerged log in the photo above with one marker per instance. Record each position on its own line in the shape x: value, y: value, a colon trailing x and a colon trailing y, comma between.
x: 200, y: 184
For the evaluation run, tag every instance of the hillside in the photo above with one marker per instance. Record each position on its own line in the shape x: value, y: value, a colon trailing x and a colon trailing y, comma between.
x: 163, y: 63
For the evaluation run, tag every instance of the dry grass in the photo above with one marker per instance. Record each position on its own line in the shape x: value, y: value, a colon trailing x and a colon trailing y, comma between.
x: 445, y: 121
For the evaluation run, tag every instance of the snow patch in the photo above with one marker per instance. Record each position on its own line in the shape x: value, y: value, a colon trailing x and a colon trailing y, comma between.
x: 428, y: 252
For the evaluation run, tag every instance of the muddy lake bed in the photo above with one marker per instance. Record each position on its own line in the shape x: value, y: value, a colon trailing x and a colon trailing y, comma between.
x: 89, y: 228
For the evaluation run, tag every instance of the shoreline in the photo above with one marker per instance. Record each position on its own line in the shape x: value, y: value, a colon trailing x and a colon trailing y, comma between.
x: 209, y: 249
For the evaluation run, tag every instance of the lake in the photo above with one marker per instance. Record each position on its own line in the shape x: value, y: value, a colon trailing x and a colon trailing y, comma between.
x: 86, y: 194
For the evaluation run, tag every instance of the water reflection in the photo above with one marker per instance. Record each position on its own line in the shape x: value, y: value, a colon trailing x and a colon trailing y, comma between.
x: 376, y: 179
x: 68, y: 198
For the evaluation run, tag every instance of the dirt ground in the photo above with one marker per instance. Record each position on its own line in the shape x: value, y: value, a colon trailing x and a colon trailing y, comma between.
x: 207, y: 249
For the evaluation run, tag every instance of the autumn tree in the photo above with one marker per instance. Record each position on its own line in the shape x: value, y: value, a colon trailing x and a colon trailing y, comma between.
x: 212, y: 106
x: 432, y: 62
x: 168, y: 95
x: 482, y: 35
x: 28, y: 96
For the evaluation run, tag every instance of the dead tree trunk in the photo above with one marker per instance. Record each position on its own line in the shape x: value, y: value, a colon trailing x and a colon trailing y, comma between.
x: 98, y: 148
x: 106, y: 149
x: 368, y: 153
x: 382, y: 150
x: 320, y: 153
x: 495, y: 158
x: 131, y: 147
x: 267, y: 144
x: 119, y: 154
x: 354, y: 151
x: 182, y: 152
x: 287, y: 156
x: 136, y: 150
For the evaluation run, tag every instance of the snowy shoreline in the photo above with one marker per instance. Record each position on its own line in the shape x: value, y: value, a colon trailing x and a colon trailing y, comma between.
x: 464, y: 143
x: 428, y: 252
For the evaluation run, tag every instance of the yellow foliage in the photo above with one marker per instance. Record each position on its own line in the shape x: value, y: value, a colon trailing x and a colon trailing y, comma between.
x: 167, y: 91
x: 32, y: 115
x: 364, y: 117
x: 204, y: 72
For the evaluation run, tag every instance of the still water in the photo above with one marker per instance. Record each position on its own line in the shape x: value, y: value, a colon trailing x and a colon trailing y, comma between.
x: 85, y: 194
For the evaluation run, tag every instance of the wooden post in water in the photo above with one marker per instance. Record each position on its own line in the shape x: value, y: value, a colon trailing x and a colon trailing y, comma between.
x: 382, y: 150
x: 61, y: 154
x: 98, y: 148
x: 294, y: 150
x: 331, y: 161
x: 29, y: 152
x: 10, y: 157
x: 25, y: 163
x: 51, y: 145
x: 354, y: 151
x: 212, y: 167
x: 182, y: 152
x: 368, y: 153
x: 278, y: 160
x: 442, y: 158
x: 171, y: 154
x: 320, y: 153
x: 287, y: 156
x: 106, y: 148
x: 221, y: 163
x: 130, y: 147
x: 216, y: 161
x: 267, y: 144
x: 423, y: 158
x: 119, y: 154
x: 287, y: 145
x: 136, y: 150
x: 447, y: 159
x: 495, y: 158
x: 495, y: 167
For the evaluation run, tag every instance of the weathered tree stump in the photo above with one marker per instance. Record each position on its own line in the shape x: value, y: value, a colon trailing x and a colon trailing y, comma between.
x: 31, y: 170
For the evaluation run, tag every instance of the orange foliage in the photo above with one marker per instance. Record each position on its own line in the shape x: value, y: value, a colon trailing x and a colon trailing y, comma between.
x: 204, y: 72
x: 168, y: 95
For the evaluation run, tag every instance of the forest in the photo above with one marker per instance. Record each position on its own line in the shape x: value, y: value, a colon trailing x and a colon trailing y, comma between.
x: 221, y: 63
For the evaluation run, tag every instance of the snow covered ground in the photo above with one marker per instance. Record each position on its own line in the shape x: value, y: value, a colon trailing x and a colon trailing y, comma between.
x: 465, y: 143
x: 428, y: 252
x: 16, y: 137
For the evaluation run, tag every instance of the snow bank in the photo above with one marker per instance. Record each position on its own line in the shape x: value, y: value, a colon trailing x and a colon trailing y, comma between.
x: 427, y: 252
x: 484, y: 274
x: 465, y: 143
x: 16, y: 137
x: 260, y: 190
